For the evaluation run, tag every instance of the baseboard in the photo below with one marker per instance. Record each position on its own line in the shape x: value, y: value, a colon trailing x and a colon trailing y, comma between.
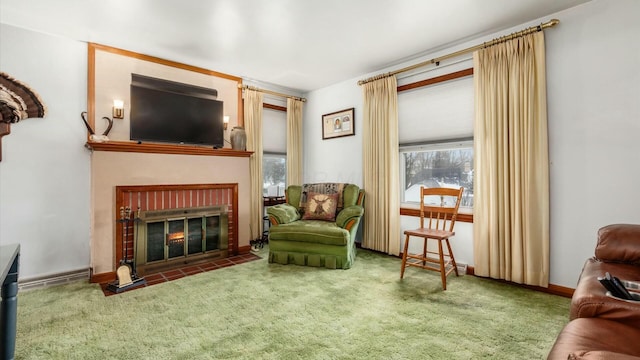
x: 560, y: 290
x: 103, y: 277
x: 471, y: 270
x: 54, y: 279
x: 551, y: 289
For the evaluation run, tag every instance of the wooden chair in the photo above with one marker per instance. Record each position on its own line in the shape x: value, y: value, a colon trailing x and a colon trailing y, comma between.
x: 441, y: 219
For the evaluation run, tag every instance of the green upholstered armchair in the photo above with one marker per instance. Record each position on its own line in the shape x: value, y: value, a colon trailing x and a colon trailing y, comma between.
x: 297, y: 236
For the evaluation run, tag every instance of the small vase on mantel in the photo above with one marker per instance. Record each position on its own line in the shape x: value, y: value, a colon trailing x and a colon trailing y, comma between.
x: 238, y: 138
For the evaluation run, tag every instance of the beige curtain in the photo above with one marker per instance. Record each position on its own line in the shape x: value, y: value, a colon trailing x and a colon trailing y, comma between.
x: 380, y: 166
x: 511, y: 191
x: 294, y: 142
x: 253, y: 124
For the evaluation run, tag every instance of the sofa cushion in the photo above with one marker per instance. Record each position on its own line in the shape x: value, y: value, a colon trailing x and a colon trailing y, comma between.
x: 595, y: 338
x: 320, y: 207
x: 310, y: 231
x: 619, y: 243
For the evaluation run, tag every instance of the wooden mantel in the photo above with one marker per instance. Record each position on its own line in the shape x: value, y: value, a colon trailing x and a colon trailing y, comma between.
x: 127, y: 146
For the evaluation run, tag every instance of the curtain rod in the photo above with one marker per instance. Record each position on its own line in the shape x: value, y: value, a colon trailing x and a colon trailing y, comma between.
x: 527, y: 31
x: 240, y: 86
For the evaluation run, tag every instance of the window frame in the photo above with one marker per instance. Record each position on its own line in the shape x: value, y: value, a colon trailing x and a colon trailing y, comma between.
x: 271, y: 153
x: 411, y: 208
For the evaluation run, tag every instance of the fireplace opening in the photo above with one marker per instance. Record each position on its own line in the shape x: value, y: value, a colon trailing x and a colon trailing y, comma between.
x: 171, y: 238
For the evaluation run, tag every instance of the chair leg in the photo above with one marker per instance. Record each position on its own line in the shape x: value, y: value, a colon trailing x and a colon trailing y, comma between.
x: 453, y: 261
x: 424, y: 252
x: 404, y: 256
x: 443, y: 272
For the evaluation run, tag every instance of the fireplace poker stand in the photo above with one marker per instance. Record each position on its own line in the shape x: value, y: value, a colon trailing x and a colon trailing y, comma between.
x: 127, y: 276
x: 266, y: 201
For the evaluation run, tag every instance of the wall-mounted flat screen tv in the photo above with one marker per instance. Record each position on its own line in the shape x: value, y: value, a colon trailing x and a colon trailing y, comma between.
x: 172, y: 112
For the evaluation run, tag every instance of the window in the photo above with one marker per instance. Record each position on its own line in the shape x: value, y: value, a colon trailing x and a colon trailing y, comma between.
x: 435, y: 130
x: 274, y: 153
x: 437, y: 165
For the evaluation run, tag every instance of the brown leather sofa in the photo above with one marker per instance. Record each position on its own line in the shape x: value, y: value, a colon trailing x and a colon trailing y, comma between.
x: 603, y: 327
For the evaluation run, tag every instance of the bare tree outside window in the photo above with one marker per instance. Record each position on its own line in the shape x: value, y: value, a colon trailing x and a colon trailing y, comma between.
x: 274, y: 174
x: 449, y: 168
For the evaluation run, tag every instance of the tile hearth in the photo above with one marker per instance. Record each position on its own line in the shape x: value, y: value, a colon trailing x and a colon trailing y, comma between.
x: 173, y: 274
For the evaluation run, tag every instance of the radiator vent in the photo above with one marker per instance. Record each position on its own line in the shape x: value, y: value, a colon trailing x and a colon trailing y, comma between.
x: 54, y: 279
x: 462, y: 268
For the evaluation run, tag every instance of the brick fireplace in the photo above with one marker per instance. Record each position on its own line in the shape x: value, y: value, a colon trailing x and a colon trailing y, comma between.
x: 147, y: 199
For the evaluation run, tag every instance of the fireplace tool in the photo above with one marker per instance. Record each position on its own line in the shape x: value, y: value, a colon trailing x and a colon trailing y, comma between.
x: 126, y: 272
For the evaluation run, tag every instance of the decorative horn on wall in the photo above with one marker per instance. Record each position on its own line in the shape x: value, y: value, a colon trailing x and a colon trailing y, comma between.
x: 92, y: 132
x: 17, y: 102
x: 83, y: 115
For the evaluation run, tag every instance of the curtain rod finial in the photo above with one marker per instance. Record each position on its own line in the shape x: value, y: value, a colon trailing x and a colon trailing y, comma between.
x: 551, y: 23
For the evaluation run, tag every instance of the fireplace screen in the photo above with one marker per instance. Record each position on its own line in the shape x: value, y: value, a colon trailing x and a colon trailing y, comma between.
x: 164, y: 237
x: 155, y: 241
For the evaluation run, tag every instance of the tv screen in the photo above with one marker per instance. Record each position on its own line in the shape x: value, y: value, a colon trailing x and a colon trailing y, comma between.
x: 166, y: 111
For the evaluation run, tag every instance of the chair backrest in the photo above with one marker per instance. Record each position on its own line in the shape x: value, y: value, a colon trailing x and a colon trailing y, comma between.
x: 440, y: 206
x: 350, y: 194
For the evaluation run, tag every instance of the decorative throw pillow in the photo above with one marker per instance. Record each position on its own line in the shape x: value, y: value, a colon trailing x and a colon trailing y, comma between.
x: 322, y: 188
x: 320, y: 207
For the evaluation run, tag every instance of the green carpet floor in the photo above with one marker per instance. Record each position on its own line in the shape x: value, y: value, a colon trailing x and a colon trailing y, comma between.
x: 267, y: 311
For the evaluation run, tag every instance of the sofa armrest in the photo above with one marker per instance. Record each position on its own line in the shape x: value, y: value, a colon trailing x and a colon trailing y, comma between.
x: 282, y: 214
x: 590, y: 300
x: 352, y: 212
x: 619, y: 243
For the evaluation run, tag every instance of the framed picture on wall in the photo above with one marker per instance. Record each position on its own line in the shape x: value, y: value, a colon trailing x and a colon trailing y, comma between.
x: 338, y: 124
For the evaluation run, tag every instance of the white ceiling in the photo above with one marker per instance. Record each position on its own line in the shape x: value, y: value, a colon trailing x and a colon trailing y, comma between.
x: 296, y: 44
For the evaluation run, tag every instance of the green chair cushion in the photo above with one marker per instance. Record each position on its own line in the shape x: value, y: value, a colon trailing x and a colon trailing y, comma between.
x: 310, y: 231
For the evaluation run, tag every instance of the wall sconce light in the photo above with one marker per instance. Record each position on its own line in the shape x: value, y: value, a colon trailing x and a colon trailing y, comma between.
x: 118, y: 109
x: 225, y: 122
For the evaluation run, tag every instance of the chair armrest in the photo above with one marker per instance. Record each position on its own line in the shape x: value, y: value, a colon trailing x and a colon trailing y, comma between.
x: 282, y: 214
x: 349, y: 213
x: 619, y: 243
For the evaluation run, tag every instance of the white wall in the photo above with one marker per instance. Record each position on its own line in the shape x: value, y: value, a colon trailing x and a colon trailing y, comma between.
x: 593, y: 84
x: 337, y: 159
x: 45, y: 169
x: 593, y: 98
